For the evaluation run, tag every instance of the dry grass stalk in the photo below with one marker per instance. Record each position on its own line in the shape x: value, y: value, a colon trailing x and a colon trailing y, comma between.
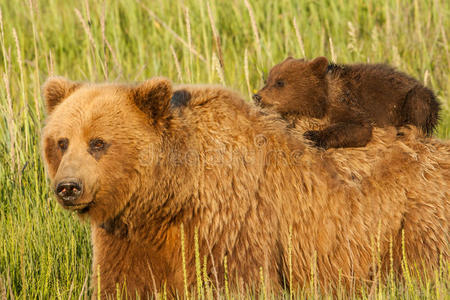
x: 333, y: 53
x: 246, y: 72
x: 216, y: 37
x: 177, y: 64
x: 299, y: 38
x: 254, y: 27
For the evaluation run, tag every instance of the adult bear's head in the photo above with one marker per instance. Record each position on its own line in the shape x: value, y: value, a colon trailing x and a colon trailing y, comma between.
x: 96, y: 138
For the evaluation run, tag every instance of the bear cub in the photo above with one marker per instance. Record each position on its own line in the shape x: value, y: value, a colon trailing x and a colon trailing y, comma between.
x: 349, y: 99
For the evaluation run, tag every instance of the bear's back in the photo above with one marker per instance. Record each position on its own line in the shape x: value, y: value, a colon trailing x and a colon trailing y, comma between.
x: 376, y: 90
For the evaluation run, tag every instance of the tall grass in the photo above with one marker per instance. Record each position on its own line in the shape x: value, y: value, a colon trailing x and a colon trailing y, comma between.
x: 44, y: 251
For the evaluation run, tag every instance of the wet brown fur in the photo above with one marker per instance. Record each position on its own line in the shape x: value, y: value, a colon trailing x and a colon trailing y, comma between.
x: 351, y: 99
x: 245, y: 181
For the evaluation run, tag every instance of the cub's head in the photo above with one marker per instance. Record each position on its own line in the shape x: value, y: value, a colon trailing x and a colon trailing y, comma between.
x: 296, y: 86
x: 93, y: 140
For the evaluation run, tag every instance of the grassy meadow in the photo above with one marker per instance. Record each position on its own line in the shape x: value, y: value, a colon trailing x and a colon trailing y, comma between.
x: 45, y: 252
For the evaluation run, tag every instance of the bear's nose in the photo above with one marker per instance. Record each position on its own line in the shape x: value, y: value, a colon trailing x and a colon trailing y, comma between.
x: 257, y: 98
x: 69, y: 190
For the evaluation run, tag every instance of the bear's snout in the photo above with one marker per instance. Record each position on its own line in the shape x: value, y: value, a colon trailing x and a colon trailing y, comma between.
x: 69, y: 190
x: 257, y: 98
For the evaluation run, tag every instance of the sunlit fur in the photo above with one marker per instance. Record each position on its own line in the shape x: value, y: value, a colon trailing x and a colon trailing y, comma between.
x: 245, y: 180
x: 350, y: 99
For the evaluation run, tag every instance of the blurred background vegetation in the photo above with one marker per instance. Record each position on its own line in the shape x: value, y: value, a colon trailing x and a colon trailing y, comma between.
x: 45, y: 252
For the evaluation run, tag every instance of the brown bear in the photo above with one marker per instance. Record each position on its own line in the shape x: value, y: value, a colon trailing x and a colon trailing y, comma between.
x: 149, y: 173
x: 350, y: 99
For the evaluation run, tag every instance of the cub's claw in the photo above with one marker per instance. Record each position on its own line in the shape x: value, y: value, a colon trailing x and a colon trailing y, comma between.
x: 317, y: 138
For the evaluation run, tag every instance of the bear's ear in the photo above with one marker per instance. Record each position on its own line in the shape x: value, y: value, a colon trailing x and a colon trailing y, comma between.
x: 319, y: 65
x: 56, y: 89
x: 153, y: 97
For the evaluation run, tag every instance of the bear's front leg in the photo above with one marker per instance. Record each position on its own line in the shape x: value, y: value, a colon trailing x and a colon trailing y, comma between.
x: 341, y: 135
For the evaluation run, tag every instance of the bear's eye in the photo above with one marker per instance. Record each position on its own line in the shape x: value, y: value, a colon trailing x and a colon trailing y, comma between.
x: 96, y: 145
x: 279, y: 83
x: 63, y: 144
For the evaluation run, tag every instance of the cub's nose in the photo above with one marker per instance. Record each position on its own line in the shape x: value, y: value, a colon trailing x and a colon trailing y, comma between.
x: 257, y: 98
x: 69, y: 190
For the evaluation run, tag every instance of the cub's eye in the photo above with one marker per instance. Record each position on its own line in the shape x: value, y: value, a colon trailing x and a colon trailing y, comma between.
x: 96, y: 145
x: 279, y: 83
x: 63, y: 144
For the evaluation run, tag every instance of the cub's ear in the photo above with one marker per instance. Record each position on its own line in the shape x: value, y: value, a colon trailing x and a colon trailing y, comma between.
x: 319, y: 65
x: 56, y: 89
x: 153, y: 97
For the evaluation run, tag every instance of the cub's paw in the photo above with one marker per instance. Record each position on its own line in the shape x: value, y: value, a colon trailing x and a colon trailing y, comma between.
x: 317, y: 138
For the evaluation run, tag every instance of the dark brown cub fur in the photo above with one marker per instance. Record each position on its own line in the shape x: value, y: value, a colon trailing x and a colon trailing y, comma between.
x: 349, y: 98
